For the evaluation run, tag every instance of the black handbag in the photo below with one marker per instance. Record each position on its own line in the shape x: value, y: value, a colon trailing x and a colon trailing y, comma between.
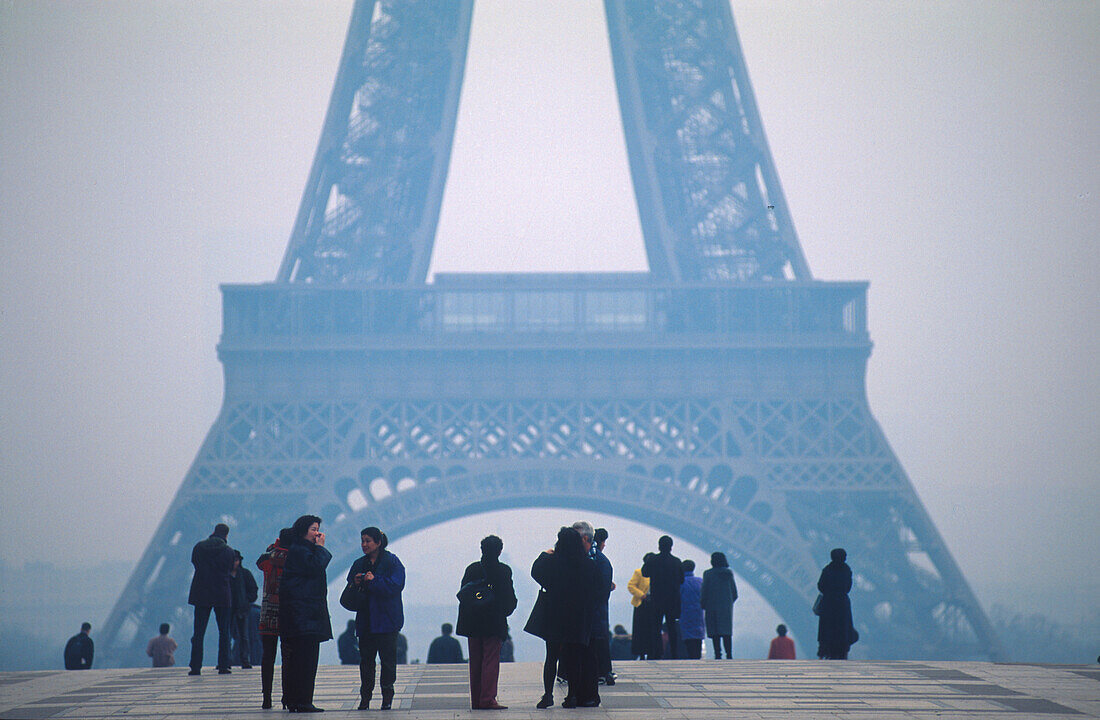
x: 352, y: 599
x: 817, y: 605
x: 476, y: 594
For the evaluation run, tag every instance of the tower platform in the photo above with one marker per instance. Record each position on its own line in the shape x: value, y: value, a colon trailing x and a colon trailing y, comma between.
x: 669, y: 690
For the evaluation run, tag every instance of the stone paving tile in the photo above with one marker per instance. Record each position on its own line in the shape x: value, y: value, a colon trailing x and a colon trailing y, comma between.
x: 668, y: 690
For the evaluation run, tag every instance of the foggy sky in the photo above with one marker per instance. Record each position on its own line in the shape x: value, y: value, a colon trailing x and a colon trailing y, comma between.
x: 947, y: 152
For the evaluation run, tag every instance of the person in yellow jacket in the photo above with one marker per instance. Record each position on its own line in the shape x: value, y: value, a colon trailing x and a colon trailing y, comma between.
x: 644, y: 633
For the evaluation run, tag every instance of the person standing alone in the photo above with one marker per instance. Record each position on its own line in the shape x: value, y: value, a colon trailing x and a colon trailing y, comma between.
x: 162, y: 648
x: 486, y: 626
x: 213, y: 561
x: 80, y: 649
x: 666, y: 575
x: 378, y: 577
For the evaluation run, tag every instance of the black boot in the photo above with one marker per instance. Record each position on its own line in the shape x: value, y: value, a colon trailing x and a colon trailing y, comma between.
x: 546, y: 701
x: 387, y: 699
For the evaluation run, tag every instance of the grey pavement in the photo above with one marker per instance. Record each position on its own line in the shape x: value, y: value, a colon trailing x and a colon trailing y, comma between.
x: 668, y: 690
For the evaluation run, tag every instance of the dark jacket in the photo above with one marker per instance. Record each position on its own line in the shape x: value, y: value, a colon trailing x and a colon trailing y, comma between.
x: 384, y: 612
x: 213, y: 559
x: 347, y: 647
x: 665, y: 574
x: 490, y: 621
x: 303, y: 592
x: 445, y: 649
x: 570, y: 599
x: 78, y: 652
x: 717, y: 598
x: 835, y: 632
x: 243, y: 590
x: 601, y: 623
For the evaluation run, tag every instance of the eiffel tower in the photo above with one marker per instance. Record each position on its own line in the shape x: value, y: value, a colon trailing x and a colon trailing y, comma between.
x: 719, y: 397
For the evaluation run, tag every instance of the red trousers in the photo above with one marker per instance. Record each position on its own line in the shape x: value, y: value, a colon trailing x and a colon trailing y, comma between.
x: 484, y: 671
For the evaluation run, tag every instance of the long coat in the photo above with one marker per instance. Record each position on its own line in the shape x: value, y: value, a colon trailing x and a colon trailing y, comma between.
x: 570, y: 599
x: 835, y: 632
x: 717, y: 598
x: 385, y: 612
x: 303, y: 592
x: 213, y: 559
x: 666, y: 574
x: 602, y: 622
x: 489, y: 621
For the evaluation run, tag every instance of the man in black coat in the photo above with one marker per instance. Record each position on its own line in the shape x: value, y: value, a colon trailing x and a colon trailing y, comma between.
x: 601, y: 642
x: 80, y: 649
x: 213, y: 561
x: 666, y: 575
x: 445, y: 648
x: 243, y: 592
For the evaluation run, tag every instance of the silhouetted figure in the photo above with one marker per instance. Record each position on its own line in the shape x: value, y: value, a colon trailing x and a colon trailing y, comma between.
x: 243, y: 592
x: 643, y: 623
x: 271, y: 563
x: 486, y: 627
x: 379, y: 578
x: 80, y: 649
x: 445, y: 648
x: 620, y: 644
x: 507, y: 650
x: 717, y: 596
x: 691, y: 612
x: 213, y: 560
x: 835, y: 631
x: 601, y: 645
x: 303, y: 611
x: 402, y: 646
x: 782, y: 647
x: 347, y: 645
x: 571, y: 580
x: 665, y: 575
x: 162, y: 648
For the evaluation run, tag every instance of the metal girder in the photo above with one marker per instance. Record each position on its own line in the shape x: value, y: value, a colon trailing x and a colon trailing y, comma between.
x: 371, y: 204
x: 709, y: 199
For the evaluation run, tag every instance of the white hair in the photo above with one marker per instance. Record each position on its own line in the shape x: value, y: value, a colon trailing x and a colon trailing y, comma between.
x: 584, y: 529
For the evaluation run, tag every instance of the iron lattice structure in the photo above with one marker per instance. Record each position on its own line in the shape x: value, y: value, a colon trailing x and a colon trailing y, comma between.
x: 720, y: 397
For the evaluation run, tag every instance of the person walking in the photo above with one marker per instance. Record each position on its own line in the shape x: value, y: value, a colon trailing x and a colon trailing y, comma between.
x: 303, y: 611
x: 445, y: 649
x: 378, y: 577
x: 271, y: 564
x: 643, y: 633
x: 782, y: 647
x: 486, y: 626
x: 162, y: 648
x: 835, y: 631
x: 80, y: 649
x: 665, y: 575
x: 717, y: 596
x: 691, y: 613
x: 243, y: 592
x: 213, y: 560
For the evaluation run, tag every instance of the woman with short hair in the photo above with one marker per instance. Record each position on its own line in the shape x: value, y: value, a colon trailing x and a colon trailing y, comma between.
x: 379, y: 577
x: 717, y: 596
x: 486, y: 627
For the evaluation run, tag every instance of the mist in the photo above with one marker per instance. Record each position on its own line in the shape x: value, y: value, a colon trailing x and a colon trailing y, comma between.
x: 948, y: 153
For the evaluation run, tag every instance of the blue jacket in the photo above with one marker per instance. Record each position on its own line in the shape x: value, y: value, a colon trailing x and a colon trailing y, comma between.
x: 384, y: 613
x: 691, y: 613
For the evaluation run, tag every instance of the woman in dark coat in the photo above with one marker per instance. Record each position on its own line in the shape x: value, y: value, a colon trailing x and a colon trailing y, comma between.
x: 835, y: 632
x: 717, y: 597
x: 571, y: 580
x: 303, y: 611
x: 486, y: 627
x: 380, y: 577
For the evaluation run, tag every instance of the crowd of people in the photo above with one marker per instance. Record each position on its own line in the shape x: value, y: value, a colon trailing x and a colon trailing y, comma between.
x: 674, y: 612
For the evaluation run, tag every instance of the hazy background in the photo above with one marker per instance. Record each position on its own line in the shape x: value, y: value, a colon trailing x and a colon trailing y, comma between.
x: 948, y: 152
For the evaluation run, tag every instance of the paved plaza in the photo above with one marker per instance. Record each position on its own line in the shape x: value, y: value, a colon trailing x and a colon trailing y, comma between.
x: 667, y: 690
